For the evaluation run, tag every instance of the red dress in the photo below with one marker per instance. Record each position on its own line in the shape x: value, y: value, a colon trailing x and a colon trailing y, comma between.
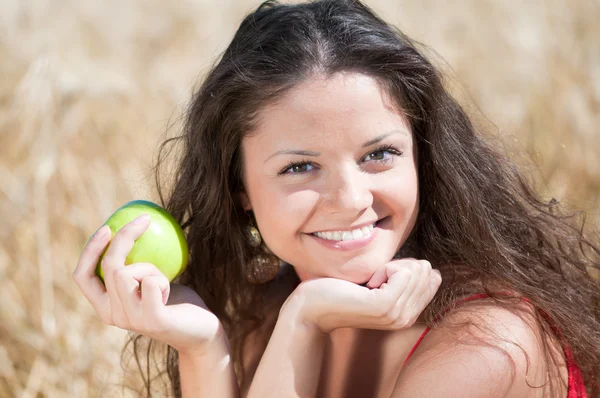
x: 576, y: 388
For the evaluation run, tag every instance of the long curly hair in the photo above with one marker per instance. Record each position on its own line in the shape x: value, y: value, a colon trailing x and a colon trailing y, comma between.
x: 480, y: 222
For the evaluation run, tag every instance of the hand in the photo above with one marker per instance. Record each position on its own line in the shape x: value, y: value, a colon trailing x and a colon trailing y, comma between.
x: 138, y: 297
x: 393, y: 299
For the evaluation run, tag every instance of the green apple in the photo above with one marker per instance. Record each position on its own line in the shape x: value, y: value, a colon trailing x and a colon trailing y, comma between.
x: 162, y: 244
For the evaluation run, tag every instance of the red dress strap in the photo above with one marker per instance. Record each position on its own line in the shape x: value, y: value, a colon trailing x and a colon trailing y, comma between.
x: 576, y: 388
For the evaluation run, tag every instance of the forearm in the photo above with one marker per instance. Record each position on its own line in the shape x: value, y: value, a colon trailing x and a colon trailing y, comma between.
x: 209, y: 373
x: 291, y: 363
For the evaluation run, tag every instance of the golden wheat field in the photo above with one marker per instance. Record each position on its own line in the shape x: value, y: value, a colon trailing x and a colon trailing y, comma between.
x: 88, y: 89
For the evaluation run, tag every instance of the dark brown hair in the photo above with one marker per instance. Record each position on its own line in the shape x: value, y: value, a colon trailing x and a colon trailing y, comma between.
x: 480, y: 223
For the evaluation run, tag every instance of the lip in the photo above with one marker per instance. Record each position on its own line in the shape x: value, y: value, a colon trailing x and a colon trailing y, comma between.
x: 349, y: 245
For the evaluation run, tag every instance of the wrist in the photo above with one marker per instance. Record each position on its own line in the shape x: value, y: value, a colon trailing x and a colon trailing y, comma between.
x: 295, y: 312
x: 214, y: 359
x: 217, y: 346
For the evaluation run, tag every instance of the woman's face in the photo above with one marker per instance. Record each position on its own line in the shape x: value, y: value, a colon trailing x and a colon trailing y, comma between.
x: 326, y: 162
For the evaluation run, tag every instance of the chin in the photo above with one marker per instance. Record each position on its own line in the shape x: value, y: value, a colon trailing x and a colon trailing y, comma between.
x: 360, y: 277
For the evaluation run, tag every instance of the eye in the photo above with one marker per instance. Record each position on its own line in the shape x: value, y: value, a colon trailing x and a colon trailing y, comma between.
x: 378, y: 155
x: 296, y: 168
x: 377, y: 158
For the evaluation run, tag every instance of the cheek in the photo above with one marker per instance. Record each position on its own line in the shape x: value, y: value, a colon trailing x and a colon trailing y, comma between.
x: 283, y: 213
x: 402, y: 189
x: 295, y: 203
x: 407, y: 203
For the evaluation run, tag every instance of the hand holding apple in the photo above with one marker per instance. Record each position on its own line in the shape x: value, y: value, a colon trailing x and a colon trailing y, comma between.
x: 162, y: 244
x: 138, y: 296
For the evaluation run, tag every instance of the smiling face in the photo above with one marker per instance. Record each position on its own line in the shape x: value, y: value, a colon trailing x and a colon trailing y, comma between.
x: 331, y: 156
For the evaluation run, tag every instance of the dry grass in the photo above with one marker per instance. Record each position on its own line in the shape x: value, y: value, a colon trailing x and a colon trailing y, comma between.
x: 87, y: 89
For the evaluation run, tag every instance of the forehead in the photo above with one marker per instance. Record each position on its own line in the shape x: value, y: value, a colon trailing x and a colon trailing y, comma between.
x: 341, y: 107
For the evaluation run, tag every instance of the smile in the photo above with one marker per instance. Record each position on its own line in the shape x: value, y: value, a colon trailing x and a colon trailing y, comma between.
x: 355, y: 234
x: 349, y: 240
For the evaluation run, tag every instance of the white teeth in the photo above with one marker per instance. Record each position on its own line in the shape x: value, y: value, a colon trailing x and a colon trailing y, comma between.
x: 358, y: 233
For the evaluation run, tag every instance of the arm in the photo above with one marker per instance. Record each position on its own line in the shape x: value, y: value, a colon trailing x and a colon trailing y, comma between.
x: 291, y: 364
x: 460, y: 364
x: 209, y: 373
x: 138, y: 297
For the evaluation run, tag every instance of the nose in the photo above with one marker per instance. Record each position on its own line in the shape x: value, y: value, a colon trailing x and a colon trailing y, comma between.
x: 347, y: 191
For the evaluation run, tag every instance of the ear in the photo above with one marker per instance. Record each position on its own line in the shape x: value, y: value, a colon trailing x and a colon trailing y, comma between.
x: 245, y: 201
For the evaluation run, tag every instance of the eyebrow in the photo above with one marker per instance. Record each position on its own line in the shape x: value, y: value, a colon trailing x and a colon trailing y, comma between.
x: 315, y: 154
x: 382, y: 136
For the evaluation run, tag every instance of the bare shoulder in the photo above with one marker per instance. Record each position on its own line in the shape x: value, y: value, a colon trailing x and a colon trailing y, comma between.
x: 496, y: 353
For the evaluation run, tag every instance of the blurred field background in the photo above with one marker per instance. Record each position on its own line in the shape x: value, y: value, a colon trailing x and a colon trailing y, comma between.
x: 88, y: 89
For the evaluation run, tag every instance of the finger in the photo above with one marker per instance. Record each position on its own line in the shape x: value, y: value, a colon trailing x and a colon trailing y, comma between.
x: 121, y: 246
x: 127, y: 285
x: 402, y: 304
x: 412, y: 266
x: 392, y: 290
x: 378, y: 278
x: 84, y: 274
x: 114, y: 259
x: 384, y: 273
x: 418, y: 295
x: 394, y: 265
x: 155, y: 293
x: 435, y: 281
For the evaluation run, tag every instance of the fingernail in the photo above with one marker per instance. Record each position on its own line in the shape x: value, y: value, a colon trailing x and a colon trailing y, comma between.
x: 101, y: 233
x: 141, y: 219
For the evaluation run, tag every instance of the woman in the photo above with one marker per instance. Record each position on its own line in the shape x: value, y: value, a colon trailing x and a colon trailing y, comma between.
x: 351, y: 234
